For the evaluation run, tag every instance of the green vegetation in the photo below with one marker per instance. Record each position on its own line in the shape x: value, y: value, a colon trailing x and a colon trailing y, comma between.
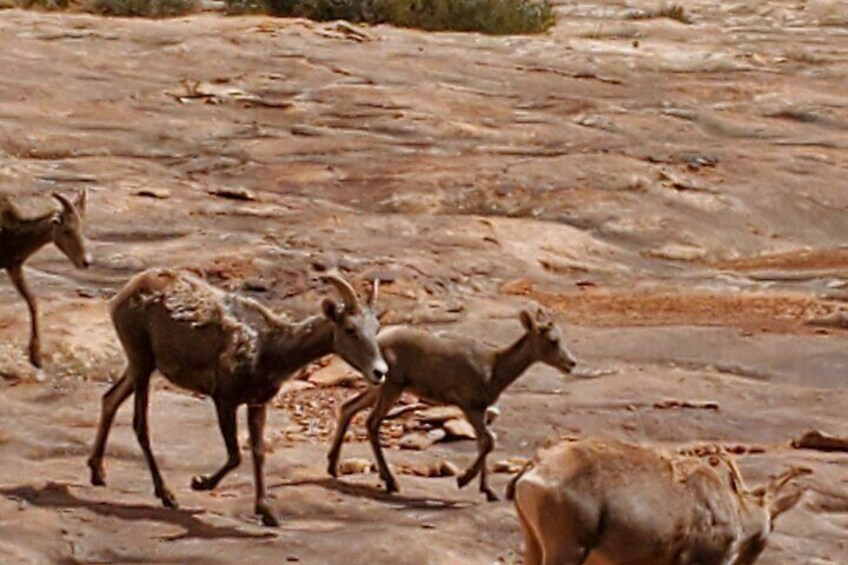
x: 48, y: 5
x: 122, y: 8
x: 142, y: 8
x: 498, y: 17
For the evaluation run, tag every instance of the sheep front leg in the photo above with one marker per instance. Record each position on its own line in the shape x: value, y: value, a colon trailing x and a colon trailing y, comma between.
x: 256, y: 416
x: 142, y: 390
x: 388, y: 396
x: 348, y: 410
x: 17, y: 276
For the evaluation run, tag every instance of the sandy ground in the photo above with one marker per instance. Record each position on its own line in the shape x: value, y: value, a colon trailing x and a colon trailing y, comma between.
x: 676, y: 194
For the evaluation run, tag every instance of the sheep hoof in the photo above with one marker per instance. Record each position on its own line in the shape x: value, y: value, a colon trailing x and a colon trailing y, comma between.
x: 268, y: 518
x: 168, y: 499
x: 463, y: 480
x: 98, y: 477
x: 35, y: 355
x: 201, y: 482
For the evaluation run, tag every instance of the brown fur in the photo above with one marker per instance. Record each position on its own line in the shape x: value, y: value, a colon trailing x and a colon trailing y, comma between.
x: 603, y: 501
x: 21, y: 237
x: 227, y: 347
x: 455, y: 371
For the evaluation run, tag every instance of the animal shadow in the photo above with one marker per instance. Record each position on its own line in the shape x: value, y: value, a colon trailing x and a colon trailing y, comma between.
x: 378, y: 494
x: 59, y: 495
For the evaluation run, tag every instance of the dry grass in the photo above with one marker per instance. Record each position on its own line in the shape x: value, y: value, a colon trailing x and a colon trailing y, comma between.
x: 119, y: 8
x: 142, y: 8
x: 676, y: 12
x: 497, y: 17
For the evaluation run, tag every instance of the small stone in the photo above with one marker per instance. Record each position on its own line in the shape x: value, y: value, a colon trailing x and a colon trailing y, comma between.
x: 157, y: 193
x: 814, y: 439
x: 335, y: 373
x: 256, y: 285
x: 233, y: 193
x: 356, y: 466
x: 444, y: 468
x: 511, y: 465
x: 459, y: 429
x: 294, y: 386
x: 420, y: 441
x: 439, y: 414
x: 678, y: 252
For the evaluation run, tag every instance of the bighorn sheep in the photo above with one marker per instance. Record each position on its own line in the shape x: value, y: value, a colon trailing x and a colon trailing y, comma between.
x: 603, y: 501
x: 230, y: 348
x: 21, y: 237
x: 455, y: 371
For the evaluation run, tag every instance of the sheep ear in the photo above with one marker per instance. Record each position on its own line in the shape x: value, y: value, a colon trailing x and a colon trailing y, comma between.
x: 784, y: 503
x: 375, y: 292
x: 331, y: 310
x: 527, y: 321
x: 82, y: 198
x: 773, y: 488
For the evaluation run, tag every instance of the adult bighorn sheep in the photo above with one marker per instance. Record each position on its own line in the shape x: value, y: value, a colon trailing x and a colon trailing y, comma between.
x: 451, y: 370
x: 603, y: 501
x: 230, y: 348
x: 21, y: 237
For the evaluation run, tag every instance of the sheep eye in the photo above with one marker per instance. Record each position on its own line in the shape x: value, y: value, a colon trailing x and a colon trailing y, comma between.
x: 350, y: 330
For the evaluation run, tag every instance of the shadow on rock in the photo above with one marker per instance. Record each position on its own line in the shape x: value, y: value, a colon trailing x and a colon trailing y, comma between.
x: 58, y: 495
x: 365, y: 491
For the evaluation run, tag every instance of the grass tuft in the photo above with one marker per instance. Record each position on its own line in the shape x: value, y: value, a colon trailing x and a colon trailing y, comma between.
x: 497, y: 17
x: 674, y: 12
x: 142, y: 8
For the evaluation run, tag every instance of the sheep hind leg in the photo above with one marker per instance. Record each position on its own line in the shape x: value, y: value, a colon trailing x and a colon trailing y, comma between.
x: 110, y: 403
x: 557, y: 553
x: 563, y: 542
x: 142, y: 391
x: 532, y: 547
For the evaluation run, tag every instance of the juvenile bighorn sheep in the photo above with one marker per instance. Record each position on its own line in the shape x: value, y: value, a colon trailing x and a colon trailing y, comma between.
x: 603, y: 501
x: 21, y: 237
x: 451, y: 370
x: 230, y: 348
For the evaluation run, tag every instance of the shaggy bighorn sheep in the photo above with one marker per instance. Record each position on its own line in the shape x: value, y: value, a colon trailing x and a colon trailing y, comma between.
x: 230, y: 348
x: 602, y: 501
x: 455, y: 371
x: 21, y: 237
